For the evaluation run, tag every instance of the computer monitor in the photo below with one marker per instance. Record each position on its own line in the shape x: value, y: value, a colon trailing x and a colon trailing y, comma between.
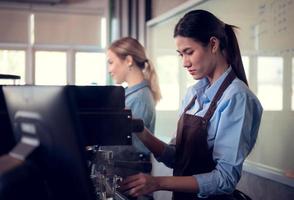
x: 6, y: 135
x: 47, y: 113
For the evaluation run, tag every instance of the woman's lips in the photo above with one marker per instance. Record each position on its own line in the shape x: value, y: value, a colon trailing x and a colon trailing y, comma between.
x: 192, y: 72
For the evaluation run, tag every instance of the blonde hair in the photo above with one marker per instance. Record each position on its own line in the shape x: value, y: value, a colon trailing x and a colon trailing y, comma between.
x: 128, y: 46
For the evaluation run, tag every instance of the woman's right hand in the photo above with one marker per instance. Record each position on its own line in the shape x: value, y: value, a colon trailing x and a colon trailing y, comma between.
x: 139, y: 184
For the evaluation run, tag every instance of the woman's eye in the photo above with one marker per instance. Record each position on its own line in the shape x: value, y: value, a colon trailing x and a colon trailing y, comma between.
x: 189, y: 53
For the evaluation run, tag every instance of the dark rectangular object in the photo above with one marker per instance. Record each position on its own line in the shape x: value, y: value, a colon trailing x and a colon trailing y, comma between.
x: 106, y: 128
x: 7, y: 140
x: 102, y: 114
x: 90, y: 98
x: 46, y: 113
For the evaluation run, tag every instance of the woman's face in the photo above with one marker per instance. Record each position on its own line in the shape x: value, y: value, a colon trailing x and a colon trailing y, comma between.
x: 197, y: 59
x: 117, y: 67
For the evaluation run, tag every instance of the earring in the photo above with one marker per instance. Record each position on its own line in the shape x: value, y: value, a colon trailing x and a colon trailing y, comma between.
x: 130, y: 67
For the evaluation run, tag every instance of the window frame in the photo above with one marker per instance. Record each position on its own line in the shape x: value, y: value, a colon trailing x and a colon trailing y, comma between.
x: 30, y: 48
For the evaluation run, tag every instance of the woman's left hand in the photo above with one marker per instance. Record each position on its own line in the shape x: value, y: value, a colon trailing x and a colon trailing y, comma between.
x: 139, y: 184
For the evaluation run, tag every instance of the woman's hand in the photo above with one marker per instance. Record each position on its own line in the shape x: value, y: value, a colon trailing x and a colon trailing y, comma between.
x: 139, y: 184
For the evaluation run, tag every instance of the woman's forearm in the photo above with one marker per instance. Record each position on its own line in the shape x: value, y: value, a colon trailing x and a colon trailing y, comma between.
x: 141, y: 184
x: 177, y: 183
x: 155, y: 145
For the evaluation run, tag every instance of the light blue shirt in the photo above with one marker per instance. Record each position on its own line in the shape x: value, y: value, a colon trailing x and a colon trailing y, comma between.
x: 140, y: 100
x: 232, y: 132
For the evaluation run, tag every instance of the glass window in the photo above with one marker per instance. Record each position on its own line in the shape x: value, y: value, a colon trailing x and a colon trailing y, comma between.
x: 270, y: 82
x: 292, y: 83
x: 12, y: 62
x: 168, y: 73
x: 245, y: 60
x: 103, y: 32
x: 50, y: 68
x: 90, y: 68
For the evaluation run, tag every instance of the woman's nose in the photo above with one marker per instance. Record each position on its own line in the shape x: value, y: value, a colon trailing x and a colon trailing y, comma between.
x: 186, y: 62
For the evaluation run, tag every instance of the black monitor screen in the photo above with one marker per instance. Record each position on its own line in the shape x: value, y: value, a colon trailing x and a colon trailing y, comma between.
x: 7, y: 140
x: 46, y: 112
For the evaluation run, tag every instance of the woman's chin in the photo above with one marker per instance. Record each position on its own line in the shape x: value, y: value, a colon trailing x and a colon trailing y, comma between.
x: 196, y: 77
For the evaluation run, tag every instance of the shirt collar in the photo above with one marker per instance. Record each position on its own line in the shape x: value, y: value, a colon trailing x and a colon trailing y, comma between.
x: 211, y: 91
x: 130, y: 90
x: 206, y: 93
x: 200, y: 86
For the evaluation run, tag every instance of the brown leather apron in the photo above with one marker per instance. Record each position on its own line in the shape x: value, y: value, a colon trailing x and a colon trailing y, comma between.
x: 192, y: 153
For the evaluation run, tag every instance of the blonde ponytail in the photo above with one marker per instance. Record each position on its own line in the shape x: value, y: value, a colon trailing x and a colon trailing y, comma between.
x: 151, y: 76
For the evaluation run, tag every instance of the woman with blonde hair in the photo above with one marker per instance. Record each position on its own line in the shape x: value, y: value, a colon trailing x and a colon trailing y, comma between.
x: 127, y: 62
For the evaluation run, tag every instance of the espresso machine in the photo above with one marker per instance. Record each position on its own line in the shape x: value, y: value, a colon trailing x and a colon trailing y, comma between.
x: 58, y: 131
x: 114, y: 127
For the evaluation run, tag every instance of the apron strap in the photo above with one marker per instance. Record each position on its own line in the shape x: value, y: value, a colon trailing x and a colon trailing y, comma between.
x: 212, y: 107
x: 190, y: 104
x: 228, y: 80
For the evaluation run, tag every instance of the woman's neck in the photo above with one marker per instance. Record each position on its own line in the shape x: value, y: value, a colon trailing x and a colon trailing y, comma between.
x: 219, y: 69
x: 135, y: 76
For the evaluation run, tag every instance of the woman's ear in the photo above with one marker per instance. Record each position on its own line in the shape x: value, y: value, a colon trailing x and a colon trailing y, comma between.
x: 215, y: 44
x: 129, y: 60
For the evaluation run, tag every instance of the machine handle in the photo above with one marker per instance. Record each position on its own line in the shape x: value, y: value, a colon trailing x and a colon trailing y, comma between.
x: 137, y: 125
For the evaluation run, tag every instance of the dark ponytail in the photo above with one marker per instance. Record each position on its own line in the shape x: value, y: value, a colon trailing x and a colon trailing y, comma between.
x: 234, y: 55
x: 201, y: 25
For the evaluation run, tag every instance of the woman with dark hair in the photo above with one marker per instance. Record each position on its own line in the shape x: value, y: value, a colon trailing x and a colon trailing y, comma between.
x: 219, y: 121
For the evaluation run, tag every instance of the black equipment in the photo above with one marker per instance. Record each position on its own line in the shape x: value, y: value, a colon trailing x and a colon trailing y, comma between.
x: 6, y: 137
x: 53, y: 125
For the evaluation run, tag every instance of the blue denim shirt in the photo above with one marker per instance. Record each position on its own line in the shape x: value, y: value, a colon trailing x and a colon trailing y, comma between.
x: 232, y: 132
x: 140, y: 100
